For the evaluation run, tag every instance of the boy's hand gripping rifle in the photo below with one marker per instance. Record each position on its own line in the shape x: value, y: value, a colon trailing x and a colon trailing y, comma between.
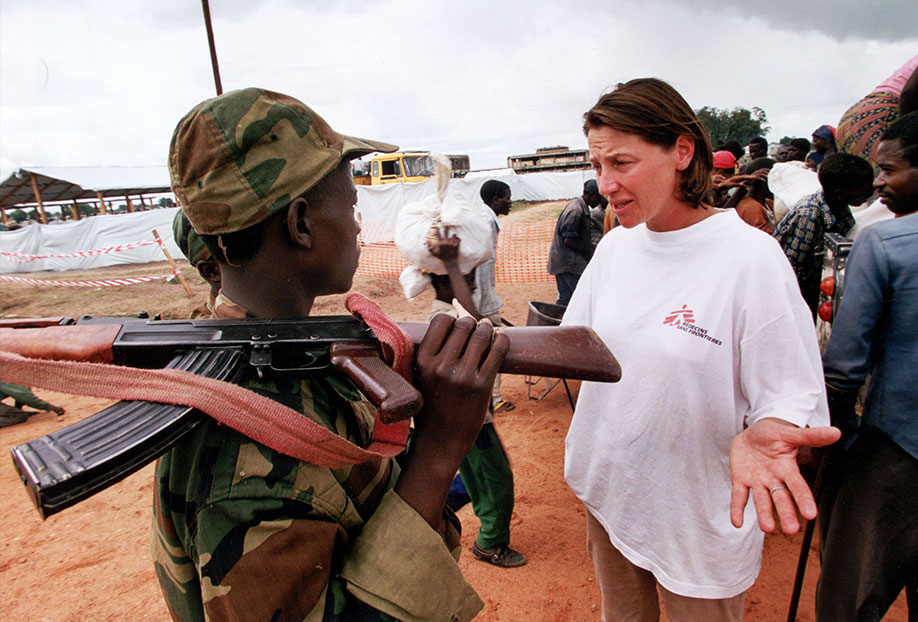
x: 75, y: 462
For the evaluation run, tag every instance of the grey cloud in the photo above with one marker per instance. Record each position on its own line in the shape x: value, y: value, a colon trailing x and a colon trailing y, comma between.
x: 891, y: 20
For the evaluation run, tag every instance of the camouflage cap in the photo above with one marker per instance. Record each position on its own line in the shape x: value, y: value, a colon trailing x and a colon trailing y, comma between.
x: 236, y: 159
x: 189, y: 242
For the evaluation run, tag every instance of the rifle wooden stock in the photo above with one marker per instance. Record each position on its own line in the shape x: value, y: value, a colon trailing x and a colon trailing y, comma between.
x: 574, y: 352
x: 91, y: 343
x: 64, y: 467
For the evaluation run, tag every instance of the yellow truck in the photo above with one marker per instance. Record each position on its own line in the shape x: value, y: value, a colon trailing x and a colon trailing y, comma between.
x: 403, y: 166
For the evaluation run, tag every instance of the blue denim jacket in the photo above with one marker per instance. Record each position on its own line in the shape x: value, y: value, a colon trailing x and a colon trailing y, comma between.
x: 876, y: 331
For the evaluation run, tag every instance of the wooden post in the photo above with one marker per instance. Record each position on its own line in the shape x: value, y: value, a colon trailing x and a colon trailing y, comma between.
x: 41, y: 205
x: 205, y: 4
x: 129, y: 204
x: 3, y: 215
x: 75, y: 210
x: 175, y: 269
x: 101, y: 202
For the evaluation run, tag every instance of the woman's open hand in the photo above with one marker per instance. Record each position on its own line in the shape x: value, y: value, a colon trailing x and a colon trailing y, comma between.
x: 763, y: 459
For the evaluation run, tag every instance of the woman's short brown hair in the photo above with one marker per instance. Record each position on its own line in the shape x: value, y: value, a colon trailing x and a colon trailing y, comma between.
x: 656, y: 112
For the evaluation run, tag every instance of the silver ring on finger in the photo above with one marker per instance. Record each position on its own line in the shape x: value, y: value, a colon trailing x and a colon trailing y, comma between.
x: 777, y: 487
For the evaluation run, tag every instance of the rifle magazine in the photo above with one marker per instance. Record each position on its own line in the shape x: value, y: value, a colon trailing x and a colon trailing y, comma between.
x: 74, y: 463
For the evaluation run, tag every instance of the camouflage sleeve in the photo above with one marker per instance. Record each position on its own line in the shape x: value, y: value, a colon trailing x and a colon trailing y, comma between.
x: 396, y: 547
x: 265, y: 568
x: 275, y: 539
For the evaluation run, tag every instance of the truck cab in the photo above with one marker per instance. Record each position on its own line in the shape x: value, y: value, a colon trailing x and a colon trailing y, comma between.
x: 402, y: 166
x: 390, y: 168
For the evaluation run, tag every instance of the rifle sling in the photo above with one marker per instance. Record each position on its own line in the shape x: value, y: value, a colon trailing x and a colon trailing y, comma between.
x: 251, y: 414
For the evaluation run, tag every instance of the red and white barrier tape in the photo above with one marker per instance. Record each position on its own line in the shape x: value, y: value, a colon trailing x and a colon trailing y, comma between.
x: 109, y: 283
x: 25, y: 258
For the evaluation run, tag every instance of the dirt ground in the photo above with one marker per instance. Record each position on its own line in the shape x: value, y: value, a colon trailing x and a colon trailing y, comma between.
x: 91, y: 561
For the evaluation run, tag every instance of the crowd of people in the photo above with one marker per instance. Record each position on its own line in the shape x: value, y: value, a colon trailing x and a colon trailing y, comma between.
x: 675, y: 257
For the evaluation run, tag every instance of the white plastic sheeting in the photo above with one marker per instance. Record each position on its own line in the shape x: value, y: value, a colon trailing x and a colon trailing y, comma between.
x: 376, y: 204
x: 86, y: 235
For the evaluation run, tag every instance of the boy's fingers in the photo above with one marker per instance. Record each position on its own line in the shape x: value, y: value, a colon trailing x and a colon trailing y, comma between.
x: 458, y: 337
x: 500, y: 345
x: 435, y: 337
x: 477, y: 345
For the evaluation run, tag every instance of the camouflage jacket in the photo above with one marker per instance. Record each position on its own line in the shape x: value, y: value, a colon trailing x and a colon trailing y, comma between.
x: 242, y: 532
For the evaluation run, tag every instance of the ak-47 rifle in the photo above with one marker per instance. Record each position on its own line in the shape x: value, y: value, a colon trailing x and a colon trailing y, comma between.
x: 75, y: 462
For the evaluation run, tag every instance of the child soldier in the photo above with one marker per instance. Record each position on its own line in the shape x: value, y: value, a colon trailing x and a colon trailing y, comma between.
x: 243, y: 532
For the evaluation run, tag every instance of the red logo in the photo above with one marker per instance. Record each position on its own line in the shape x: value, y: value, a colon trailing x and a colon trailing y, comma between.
x: 683, y: 315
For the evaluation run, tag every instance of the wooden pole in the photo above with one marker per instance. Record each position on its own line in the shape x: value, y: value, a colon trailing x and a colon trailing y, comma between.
x: 3, y: 215
x: 129, y: 204
x: 213, y: 48
x: 75, y: 210
x: 101, y: 202
x: 175, y: 269
x: 41, y: 205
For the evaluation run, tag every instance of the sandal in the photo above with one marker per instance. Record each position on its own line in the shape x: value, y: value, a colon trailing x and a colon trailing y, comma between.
x: 501, y: 556
x: 503, y: 406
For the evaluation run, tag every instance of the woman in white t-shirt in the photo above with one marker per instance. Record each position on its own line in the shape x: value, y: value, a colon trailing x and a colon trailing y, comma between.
x: 721, y: 375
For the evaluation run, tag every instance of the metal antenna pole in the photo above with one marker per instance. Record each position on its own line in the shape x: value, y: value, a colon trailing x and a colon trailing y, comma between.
x: 205, y: 4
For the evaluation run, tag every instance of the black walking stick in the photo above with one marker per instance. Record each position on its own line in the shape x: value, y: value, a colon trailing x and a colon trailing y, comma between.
x: 805, y: 545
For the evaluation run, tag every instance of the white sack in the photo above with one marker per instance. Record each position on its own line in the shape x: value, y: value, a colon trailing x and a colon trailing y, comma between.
x: 452, y: 215
x: 790, y: 183
x: 413, y: 282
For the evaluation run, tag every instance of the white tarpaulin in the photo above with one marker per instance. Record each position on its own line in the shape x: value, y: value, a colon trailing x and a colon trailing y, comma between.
x: 90, y: 234
x: 377, y: 205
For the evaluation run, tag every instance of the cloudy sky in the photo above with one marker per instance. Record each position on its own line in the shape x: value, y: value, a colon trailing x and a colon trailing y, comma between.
x: 103, y: 82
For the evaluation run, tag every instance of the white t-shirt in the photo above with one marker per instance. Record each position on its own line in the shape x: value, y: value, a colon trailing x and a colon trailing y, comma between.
x: 712, y: 335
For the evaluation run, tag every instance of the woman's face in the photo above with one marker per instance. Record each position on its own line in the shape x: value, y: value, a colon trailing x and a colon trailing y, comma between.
x: 639, y: 179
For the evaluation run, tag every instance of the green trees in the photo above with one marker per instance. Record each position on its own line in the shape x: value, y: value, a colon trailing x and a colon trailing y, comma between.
x: 738, y: 124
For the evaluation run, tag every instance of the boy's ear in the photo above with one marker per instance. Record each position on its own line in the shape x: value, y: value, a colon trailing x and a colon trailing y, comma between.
x: 209, y: 270
x: 298, y: 225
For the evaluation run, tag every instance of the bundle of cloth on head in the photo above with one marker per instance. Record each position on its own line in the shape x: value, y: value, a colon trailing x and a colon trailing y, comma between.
x: 450, y: 214
x: 863, y: 124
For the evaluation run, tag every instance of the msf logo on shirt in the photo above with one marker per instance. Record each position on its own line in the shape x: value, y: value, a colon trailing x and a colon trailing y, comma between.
x: 678, y: 317
x: 684, y: 319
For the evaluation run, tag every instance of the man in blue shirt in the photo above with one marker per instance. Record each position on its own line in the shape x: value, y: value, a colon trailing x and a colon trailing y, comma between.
x: 868, y: 515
